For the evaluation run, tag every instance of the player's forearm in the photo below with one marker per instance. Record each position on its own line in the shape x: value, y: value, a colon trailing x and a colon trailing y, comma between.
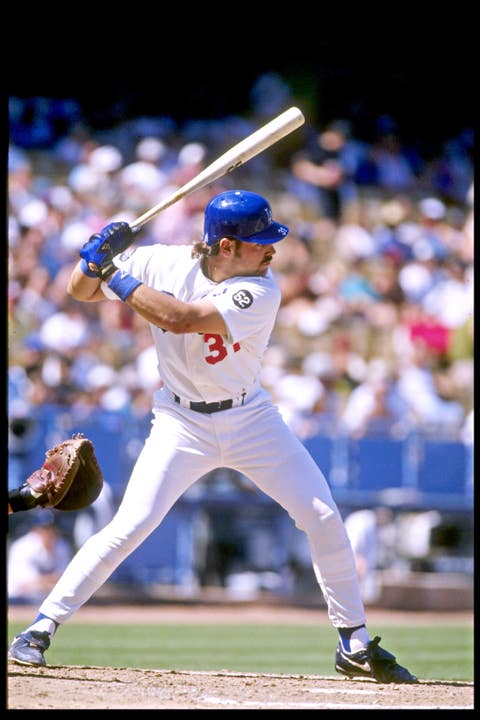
x: 84, y: 287
x: 168, y: 313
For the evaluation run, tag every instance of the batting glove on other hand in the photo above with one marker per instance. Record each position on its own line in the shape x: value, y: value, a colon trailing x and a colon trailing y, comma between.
x: 101, y: 248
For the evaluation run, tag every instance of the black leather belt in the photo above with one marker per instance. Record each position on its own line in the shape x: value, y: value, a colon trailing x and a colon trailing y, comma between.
x: 204, y: 407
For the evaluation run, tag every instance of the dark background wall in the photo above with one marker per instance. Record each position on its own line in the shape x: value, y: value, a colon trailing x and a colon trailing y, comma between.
x: 418, y: 72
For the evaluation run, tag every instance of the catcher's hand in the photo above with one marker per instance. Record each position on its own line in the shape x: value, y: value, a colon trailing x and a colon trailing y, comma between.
x: 69, y: 479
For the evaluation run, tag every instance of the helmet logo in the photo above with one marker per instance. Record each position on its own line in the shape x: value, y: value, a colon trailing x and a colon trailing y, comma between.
x: 242, y: 299
x: 264, y: 221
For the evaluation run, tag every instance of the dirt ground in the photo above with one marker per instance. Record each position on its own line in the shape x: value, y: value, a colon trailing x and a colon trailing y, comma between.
x: 85, y: 687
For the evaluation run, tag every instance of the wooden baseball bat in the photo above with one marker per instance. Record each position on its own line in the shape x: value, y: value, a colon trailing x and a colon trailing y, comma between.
x: 252, y: 145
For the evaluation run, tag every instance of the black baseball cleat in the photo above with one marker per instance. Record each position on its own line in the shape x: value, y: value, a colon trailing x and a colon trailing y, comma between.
x: 372, y: 662
x: 28, y: 648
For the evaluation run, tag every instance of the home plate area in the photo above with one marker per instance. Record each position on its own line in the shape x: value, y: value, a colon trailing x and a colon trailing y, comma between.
x: 82, y: 687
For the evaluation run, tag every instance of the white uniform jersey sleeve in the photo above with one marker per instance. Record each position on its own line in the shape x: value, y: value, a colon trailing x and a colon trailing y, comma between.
x: 201, y: 366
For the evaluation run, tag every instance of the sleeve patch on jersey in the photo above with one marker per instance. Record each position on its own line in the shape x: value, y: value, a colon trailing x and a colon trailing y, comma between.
x: 242, y: 299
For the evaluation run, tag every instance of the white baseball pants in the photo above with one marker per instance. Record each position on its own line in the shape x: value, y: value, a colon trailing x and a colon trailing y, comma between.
x: 184, y: 445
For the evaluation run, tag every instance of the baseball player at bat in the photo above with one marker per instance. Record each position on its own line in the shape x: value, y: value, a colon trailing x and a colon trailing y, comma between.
x: 211, y: 308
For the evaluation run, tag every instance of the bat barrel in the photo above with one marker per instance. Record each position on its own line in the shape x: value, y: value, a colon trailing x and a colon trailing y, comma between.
x: 252, y: 145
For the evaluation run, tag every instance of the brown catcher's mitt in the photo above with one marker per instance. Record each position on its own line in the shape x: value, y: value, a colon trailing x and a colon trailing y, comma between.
x: 69, y: 479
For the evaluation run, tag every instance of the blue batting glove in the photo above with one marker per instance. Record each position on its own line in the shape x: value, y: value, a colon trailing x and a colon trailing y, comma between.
x: 110, y: 241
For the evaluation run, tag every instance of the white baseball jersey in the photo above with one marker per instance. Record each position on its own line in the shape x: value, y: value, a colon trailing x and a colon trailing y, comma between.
x: 207, y: 367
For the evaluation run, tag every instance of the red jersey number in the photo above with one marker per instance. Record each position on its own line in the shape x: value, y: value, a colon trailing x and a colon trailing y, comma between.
x: 217, y: 348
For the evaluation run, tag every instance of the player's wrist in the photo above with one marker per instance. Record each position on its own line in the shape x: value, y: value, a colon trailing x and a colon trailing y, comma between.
x: 123, y: 284
x: 22, y: 498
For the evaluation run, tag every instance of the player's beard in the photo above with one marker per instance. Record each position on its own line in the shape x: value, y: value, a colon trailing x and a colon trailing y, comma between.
x: 264, y: 263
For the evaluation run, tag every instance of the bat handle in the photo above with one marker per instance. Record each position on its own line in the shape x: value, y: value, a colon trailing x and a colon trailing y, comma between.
x: 140, y: 221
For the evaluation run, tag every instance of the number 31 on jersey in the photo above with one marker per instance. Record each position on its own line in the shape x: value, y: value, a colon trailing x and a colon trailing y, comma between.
x: 217, y: 350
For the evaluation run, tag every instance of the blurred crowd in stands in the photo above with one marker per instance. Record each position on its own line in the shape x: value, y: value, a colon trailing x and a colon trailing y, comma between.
x: 375, y: 330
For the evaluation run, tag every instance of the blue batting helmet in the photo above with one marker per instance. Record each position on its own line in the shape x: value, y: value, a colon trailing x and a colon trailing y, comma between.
x: 241, y: 215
